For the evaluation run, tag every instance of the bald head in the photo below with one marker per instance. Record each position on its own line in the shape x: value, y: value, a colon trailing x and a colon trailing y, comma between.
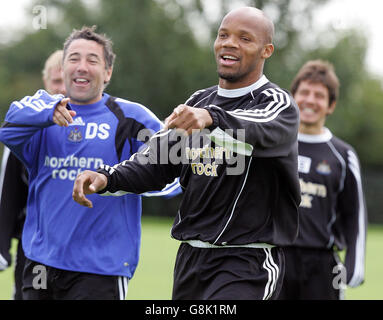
x: 243, y: 43
x: 255, y: 19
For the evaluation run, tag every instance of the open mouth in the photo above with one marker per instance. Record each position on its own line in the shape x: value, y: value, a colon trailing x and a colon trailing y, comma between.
x: 81, y: 81
x: 307, y: 111
x: 228, y: 60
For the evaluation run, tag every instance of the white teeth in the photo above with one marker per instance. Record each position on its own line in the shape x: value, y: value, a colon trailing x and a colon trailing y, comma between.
x: 230, y: 57
x: 81, y: 80
x: 308, y: 110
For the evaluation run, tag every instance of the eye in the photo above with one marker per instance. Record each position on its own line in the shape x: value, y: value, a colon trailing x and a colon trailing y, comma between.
x: 320, y: 95
x: 246, y: 39
x: 222, y: 35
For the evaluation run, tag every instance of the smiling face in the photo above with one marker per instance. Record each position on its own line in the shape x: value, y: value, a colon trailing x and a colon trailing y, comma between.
x: 85, y: 73
x: 241, y: 47
x: 313, y: 102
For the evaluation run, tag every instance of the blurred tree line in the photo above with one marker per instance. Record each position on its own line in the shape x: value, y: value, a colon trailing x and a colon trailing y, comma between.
x: 165, y: 53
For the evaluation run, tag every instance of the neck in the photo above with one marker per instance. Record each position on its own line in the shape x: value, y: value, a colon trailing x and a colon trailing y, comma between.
x: 91, y: 101
x: 241, y: 83
x: 310, y: 129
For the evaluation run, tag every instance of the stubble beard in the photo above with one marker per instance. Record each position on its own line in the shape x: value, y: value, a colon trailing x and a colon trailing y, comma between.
x: 232, y: 77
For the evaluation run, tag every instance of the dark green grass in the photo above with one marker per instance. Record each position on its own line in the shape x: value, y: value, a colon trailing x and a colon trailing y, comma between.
x: 154, y: 276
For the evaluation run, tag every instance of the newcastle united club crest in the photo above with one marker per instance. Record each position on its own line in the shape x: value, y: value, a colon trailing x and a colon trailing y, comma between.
x: 323, y: 168
x: 75, y: 135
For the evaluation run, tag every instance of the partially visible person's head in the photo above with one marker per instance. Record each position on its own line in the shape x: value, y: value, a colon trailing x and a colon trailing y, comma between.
x: 52, y: 74
x: 243, y: 43
x: 88, y: 65
x: 315, y: 88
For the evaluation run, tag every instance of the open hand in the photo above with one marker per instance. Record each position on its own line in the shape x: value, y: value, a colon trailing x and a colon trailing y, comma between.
x: 88, y: 182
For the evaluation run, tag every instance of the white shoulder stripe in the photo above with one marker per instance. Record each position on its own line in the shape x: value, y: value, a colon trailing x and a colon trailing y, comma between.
x: 353, y: 161
x: 37, y: 103
x: 280, y: 102
x: 18, y: 104
x: 342, y: 163
x: 199, y: 101
x: 266, y: 111
x: 358, y: 275
x: 249, y: 117
x: 194, y: 94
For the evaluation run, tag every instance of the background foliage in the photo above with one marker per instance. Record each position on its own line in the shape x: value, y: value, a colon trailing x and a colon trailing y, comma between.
x: 164, y: 54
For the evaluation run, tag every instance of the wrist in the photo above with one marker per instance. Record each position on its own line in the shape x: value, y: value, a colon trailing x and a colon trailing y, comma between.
x: 212, y: 118
x: 105, y: 176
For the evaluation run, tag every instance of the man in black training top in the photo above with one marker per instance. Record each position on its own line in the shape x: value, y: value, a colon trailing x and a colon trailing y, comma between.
x: 332, y: 212
x: 237, y: 163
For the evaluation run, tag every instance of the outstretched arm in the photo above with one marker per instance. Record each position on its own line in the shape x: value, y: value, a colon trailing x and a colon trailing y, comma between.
x: 145, y: 171
x: 27, y: 117
x: 88, y: 182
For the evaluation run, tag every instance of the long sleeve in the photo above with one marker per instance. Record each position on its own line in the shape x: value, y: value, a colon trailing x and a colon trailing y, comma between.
x: 169, y: 191
x: 265, y: 127
x: 137, y: 125
x: 24, y: 119
x: 353, y: 219
x: 145, y: 171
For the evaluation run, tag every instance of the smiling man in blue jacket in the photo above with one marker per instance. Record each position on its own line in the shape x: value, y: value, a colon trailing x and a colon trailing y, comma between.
x: 75, y: 252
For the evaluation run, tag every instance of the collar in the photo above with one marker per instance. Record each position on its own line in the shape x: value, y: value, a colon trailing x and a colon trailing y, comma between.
x: 235, y: 93
x: 315, y: 138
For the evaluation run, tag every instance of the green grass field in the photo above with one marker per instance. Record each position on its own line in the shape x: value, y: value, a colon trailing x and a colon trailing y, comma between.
x: 154, y: 275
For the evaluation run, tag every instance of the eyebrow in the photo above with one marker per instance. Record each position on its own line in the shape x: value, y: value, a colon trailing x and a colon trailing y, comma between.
x: 88, y: 55
x: 94, y: 55
x: 241, y: 31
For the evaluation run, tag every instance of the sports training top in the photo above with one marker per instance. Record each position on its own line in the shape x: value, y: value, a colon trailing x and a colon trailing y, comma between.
x: 332, y: 212
x: 239, y: 177
x: 58, y: 231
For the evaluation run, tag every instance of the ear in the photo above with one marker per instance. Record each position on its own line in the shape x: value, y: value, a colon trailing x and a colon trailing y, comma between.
x: 268, y: 50
x: 331, y: 108
x: 108, y: 75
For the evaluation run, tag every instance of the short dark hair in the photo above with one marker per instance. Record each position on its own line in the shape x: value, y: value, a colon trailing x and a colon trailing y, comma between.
x: 318, y: 71
x: 88, y: 33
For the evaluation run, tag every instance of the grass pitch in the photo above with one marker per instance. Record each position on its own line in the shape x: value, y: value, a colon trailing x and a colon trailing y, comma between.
x: 154, y: 276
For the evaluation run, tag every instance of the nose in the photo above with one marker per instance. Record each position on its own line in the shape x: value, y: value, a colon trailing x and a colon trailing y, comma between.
x: 229, y: 42
x: 82, y: 66
x: 310, y: 98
